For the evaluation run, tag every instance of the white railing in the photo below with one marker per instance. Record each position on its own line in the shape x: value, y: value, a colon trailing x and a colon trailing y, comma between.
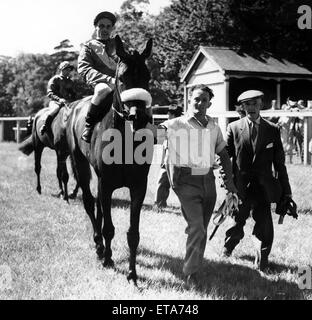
x: 305, y: 114
x: 307, y: 124
x: 17, y: 128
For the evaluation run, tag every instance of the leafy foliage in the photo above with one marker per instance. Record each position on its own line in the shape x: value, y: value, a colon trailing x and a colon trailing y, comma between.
x: 271, y: 26
x: 6, y: 76
x: 31, y: 73
x: 249, y: 26
x: 135, y: 26
x: 23, y: 80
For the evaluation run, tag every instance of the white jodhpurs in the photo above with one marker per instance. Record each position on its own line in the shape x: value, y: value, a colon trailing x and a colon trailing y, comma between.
x: 101, y: 90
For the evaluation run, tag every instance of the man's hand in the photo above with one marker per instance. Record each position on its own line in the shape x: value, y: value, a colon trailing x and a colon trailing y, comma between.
x: 286, y: 206
x: 226, y: 171
x: 112, y: 83
x: 232, y: 202
x: 230, y: 187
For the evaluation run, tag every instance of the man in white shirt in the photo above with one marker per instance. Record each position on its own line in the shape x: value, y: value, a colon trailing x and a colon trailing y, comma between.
x: 193, y: 141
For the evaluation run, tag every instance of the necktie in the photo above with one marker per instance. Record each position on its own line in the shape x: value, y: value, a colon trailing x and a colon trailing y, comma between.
x: 253, y: 131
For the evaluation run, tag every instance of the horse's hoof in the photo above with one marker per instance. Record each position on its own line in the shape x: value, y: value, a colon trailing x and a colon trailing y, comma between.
x: 100, y: 251
x: 39, y: 190
x: 58, y: 195
x: 108, y: 263
x: 72, y: 196
x: 132, y: 276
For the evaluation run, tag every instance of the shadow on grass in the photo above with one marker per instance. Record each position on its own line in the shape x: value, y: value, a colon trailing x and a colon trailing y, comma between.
x: 125, y: 204
x: 273, y: 267
x: 221, y: 279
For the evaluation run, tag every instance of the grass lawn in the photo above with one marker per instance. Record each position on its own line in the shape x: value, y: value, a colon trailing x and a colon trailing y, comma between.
x: 48, y: 246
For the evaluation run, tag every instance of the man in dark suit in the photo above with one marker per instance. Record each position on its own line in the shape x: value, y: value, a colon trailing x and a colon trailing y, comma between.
x: 255, y: 146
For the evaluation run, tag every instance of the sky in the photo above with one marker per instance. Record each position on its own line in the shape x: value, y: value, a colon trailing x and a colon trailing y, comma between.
x: 37, y: 26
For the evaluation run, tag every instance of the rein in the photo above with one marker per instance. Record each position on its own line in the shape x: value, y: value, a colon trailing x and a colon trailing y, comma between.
x: 121, y: 104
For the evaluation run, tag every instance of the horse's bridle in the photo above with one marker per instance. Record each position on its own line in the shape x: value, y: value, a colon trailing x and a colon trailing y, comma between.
x: 128, y: 112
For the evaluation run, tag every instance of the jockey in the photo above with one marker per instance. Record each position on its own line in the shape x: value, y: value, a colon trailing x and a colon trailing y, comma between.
x: 97, y: 66
x: 60, y: 91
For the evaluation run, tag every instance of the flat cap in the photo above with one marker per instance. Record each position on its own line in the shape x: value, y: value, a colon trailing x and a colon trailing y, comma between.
x: 65, y: 64
x: 248, y: 95
x: 105, y: 14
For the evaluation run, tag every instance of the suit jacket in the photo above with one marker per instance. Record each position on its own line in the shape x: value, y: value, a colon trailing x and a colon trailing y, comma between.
x: 251, y: 167
x: 97, y: 62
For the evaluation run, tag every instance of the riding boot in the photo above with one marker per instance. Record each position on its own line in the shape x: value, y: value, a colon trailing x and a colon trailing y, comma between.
x: 47, y: 123
x: 91, y: 120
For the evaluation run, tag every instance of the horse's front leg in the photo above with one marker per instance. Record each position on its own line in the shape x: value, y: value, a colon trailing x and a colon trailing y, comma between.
x: 74, y: 193
x: 108, y: 231
x: 62, y: 174
x: 133, y: 236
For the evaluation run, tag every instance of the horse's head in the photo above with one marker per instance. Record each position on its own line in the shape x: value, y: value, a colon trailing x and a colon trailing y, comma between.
x: 132, y: 82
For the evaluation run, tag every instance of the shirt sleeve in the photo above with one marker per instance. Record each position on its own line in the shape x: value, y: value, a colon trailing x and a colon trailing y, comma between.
x: 53, y: 89
x: 220, y: 143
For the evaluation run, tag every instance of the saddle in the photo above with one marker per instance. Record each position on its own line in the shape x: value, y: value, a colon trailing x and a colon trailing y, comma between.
x: 68, y: 108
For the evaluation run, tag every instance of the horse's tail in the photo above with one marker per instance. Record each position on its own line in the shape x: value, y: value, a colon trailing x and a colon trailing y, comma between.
x: 27, y: 146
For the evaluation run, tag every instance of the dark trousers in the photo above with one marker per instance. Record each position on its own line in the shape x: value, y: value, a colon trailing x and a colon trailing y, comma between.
x: 257, y: 205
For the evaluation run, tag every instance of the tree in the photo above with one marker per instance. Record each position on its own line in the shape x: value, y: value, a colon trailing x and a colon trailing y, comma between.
x: 28, y: 85
x: 6, y: 76
x: 135, y: 26
x: 272, y: 26
x: 181, y: 28
x: 249, y: 26
x: 63, y: 52
x: 64, y: 46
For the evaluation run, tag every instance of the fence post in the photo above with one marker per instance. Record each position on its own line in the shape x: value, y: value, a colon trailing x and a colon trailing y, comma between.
x: 18, y: 131
x: 307, y: 129
x: 1, y: 130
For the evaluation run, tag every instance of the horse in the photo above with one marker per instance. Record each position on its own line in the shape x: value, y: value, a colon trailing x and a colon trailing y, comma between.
x: 126, y: 119
x: 54, y: 139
